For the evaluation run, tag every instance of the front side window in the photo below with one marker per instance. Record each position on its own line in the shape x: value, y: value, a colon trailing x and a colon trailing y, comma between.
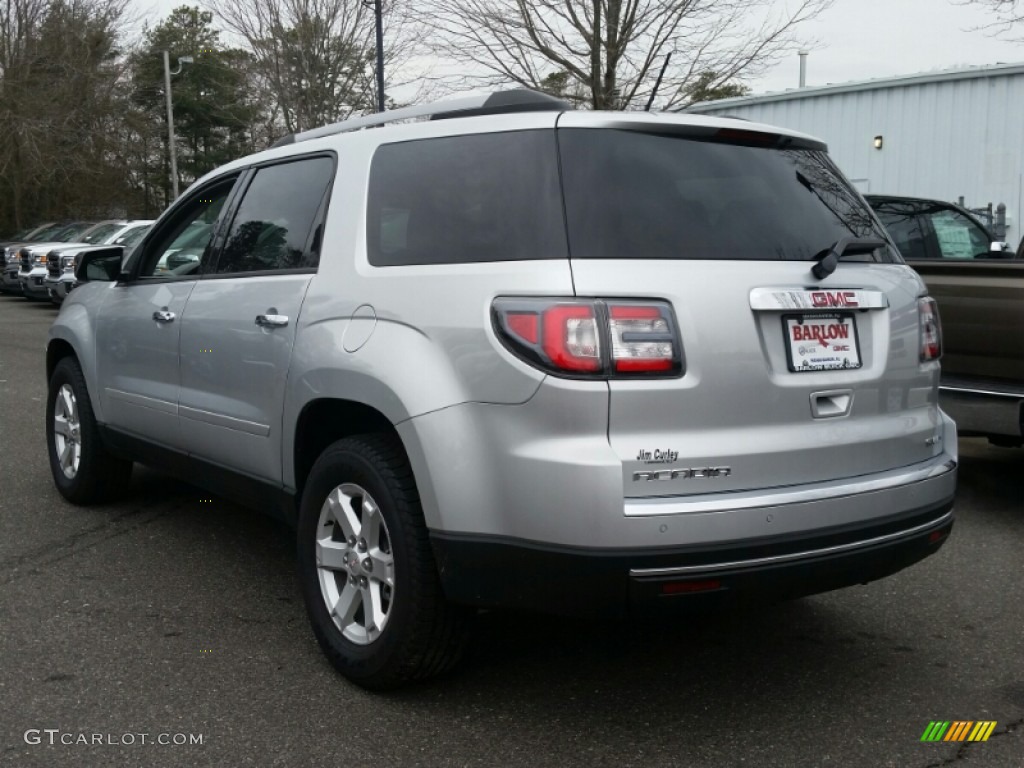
x: 273, y: 228
x: 959, y: 237
x: 462, y: 199
x: 905, y: 227
x: 181, y: 248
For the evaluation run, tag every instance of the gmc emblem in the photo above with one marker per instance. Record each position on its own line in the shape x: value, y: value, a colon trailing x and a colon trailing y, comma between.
x: 834, y: 299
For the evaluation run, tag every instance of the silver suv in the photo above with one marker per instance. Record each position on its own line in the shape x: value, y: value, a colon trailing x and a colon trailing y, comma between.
x: 520, y: 356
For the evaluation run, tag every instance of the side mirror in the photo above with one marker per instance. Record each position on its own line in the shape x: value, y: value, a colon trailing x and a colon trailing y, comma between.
x: 999, y: 247
x: 103, y: 265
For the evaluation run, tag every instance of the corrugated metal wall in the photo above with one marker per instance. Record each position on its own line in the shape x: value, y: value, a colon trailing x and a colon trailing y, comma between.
x: 941, y: 139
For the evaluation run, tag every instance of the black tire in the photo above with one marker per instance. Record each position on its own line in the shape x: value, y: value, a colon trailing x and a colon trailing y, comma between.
x: 424, y: 635
x: 100, y: 476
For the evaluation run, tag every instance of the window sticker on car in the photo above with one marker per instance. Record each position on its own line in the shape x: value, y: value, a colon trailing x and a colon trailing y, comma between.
x: 821, y: 342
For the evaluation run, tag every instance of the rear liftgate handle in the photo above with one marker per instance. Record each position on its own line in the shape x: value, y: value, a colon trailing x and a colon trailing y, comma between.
x: 825, y: 405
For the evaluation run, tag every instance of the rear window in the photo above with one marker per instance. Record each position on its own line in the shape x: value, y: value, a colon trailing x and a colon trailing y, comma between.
x: 650, y: 196
x: 459, y: 199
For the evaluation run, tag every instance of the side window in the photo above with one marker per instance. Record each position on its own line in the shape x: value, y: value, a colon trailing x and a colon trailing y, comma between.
x: 452, y: 200
x: 181, y: 247
x: 958, y: 236
x: 273, y: 226
x: 905, y: 228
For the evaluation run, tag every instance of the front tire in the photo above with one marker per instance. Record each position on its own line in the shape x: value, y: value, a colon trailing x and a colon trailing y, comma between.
x: 367, y: 571
x: 83, y: 470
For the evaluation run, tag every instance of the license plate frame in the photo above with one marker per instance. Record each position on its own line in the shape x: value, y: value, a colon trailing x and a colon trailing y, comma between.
x: 797, y: 350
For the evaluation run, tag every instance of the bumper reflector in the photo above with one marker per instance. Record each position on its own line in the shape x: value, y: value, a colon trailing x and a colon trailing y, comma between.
x: 685, y: 587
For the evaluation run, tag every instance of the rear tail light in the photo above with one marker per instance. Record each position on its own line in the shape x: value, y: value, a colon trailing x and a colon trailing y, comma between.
x: 642, y: 339
x: 592, y: 338
x: 571, y: 340
x: 930, y: 329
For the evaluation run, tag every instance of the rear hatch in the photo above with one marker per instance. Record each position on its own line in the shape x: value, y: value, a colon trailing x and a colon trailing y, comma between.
x: 787, y: 379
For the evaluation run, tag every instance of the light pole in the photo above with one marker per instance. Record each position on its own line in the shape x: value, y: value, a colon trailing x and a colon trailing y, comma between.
x: 182, y: 60
x: 378, y: 13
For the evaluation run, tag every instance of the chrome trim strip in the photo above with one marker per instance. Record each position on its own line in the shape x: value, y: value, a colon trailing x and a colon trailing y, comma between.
x: 164, y: 406
x: 797, y: 297
x: 775, y: 559
x: 714, y: 502
x: 973, y: 391
x: 220, y: 420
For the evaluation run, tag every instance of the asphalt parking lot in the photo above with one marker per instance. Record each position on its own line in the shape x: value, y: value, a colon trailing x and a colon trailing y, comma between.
x: 173, y: 614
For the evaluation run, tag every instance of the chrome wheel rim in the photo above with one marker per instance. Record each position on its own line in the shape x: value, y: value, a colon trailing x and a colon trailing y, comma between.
x: 354, y: 563
x: 67, y: 432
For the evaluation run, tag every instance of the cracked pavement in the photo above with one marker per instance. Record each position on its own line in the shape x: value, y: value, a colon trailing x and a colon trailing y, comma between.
x: 162, y: 613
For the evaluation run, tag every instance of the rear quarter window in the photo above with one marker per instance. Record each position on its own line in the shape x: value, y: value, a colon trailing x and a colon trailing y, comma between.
x: 460, y: 199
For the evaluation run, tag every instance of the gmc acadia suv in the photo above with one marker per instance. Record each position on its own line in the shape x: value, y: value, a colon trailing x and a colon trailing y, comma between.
x: 520, y: 356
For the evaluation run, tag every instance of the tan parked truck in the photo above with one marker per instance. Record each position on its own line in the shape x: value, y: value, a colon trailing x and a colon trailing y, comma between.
x: 979, y: 286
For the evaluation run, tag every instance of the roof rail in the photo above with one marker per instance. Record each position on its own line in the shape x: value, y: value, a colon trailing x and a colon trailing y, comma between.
x: 496, y: 103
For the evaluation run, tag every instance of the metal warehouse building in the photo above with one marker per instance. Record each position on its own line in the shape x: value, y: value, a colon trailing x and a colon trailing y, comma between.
x: 946, y: 135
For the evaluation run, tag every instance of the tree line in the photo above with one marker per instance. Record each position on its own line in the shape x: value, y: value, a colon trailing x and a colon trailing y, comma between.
x: 83, y: 125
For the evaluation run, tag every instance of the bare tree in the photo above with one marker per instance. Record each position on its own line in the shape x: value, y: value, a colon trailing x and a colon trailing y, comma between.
x: 611, y: 50
x: 59, y: 70
x: 1008, y: 13
x: 316, y: 56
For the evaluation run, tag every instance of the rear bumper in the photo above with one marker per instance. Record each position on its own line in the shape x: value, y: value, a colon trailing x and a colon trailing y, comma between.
x: 490, y: 572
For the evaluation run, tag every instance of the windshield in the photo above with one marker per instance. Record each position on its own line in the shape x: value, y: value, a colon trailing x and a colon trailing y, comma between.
x: 131, y: 236
x: 101, y: 233
x: 47, y: 233
x: 650, y: 196
x: 70, y: 232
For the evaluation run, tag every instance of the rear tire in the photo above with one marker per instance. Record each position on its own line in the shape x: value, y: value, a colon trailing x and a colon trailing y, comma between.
x: 83, y: 470
x: 388, y: 624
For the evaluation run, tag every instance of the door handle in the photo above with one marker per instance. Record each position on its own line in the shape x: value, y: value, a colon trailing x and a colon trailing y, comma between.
x: 164, y: 315
x: 271, y: 320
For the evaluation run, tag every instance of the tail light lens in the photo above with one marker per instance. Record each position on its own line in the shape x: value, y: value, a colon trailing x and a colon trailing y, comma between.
x: 642, y: 339
x: 930, y: 329
x: 591, y: 338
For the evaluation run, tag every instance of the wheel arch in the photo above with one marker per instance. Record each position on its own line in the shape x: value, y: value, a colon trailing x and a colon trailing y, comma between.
x: 73, y: 335
x: 326, y: 420
x: 56, y: 351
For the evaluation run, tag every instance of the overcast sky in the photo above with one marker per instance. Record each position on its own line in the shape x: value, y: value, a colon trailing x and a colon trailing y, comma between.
x: 856, y: 40
x: 862, y: 39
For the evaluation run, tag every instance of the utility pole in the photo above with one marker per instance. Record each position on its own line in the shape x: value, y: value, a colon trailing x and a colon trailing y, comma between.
x: 172, y: 149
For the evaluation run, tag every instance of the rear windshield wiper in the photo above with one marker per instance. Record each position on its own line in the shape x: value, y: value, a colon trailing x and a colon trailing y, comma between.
x: 829, y: 258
